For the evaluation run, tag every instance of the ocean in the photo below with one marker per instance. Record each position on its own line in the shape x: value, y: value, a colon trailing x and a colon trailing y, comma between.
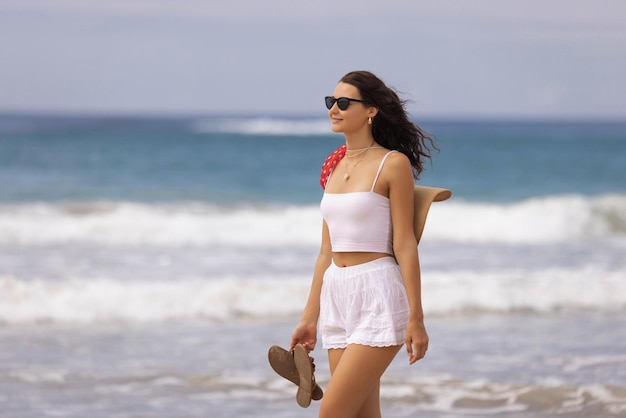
x: 147, y: 264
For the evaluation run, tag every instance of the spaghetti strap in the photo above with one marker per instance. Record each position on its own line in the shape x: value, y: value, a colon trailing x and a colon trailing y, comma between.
x: 380, y: 168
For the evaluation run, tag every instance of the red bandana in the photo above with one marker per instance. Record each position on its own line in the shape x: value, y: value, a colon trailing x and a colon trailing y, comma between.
x: 330, y: 163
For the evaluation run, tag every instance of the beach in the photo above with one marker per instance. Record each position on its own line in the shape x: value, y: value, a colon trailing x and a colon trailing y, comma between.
x: 148, y: 264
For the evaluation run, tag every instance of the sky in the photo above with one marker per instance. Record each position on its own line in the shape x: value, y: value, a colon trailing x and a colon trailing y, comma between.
x: 479, y: 58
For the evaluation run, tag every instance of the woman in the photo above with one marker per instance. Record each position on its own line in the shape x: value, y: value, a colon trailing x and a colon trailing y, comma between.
x: 366, y: 283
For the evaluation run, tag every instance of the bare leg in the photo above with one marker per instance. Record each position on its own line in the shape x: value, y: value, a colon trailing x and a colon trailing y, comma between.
x: 354, y: 389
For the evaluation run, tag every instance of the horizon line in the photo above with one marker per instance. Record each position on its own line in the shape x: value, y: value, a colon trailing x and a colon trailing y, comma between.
x: 181, y: 115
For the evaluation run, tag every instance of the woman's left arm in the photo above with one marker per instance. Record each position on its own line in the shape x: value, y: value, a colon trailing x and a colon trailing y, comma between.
x: 400, y: 181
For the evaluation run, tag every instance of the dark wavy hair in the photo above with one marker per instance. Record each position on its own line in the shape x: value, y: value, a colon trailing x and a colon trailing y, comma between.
x: 392, y: 127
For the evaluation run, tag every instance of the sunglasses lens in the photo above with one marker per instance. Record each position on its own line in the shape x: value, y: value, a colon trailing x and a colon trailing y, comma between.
x: 343, y: 103
x: 330, y: 101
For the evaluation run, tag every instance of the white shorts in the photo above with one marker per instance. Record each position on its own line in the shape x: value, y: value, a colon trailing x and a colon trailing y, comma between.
x: 364, y: 304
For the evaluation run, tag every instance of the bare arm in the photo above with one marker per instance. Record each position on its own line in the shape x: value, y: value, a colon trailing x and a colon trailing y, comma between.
x: 306, y: 331
x: 400, y: 180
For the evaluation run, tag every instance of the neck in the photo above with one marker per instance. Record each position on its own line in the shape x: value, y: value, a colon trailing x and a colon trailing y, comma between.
x: 356, y: 143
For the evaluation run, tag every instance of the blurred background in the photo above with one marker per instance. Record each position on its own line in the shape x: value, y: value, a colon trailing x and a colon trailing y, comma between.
x: 484, y: 58
x: 159, y: 195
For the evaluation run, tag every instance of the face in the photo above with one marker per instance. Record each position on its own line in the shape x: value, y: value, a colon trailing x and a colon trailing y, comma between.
x: 354, y: 118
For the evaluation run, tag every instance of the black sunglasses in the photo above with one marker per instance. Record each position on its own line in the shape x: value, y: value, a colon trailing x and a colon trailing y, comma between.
x: 342, y: 102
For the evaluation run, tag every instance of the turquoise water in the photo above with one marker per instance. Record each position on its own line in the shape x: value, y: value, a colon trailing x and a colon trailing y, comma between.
x: 186, y: 159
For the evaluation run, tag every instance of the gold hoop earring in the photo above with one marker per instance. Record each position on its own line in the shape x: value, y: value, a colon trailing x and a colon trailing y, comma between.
x: 369, y: 121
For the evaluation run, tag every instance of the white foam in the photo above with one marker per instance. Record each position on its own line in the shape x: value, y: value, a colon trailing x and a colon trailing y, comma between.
x: 484, y: 398
x: 229, y: 298
x: 447, y: 396
x: 537, y: 220
x: 524, y: 290
x: 81, y: 301
x: 264, y: 126
x: 574, y: 364
x: 110, y: 223
x: 534, y: 221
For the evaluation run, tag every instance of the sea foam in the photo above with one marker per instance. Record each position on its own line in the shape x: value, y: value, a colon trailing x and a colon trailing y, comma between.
x: 222, y: 299
x: 534, y: 221
x: 263, y: 126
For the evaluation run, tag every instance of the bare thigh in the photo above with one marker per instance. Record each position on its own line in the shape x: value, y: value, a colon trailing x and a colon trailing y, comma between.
x: 353, y: 390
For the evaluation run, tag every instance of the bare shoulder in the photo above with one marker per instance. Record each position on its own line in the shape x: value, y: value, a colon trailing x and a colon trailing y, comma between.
x: 397, y: 172
x: 397, y: 162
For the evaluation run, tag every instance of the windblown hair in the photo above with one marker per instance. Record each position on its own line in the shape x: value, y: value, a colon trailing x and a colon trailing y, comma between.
x: 392, y: 127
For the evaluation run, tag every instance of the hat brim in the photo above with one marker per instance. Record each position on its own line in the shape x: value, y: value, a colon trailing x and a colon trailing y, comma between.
x: 423, y: 197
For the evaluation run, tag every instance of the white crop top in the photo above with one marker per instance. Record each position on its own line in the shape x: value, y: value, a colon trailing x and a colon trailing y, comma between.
x: 359, y: 221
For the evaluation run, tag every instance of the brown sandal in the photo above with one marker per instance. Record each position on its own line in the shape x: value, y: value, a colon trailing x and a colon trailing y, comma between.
x: 283, y: 362
x: 305, y: 367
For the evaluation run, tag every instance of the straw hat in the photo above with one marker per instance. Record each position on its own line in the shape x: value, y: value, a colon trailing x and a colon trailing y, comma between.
x: 423, y: 197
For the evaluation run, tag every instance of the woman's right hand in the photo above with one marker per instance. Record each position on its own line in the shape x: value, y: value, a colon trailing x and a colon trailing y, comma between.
x: 305, y: 334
